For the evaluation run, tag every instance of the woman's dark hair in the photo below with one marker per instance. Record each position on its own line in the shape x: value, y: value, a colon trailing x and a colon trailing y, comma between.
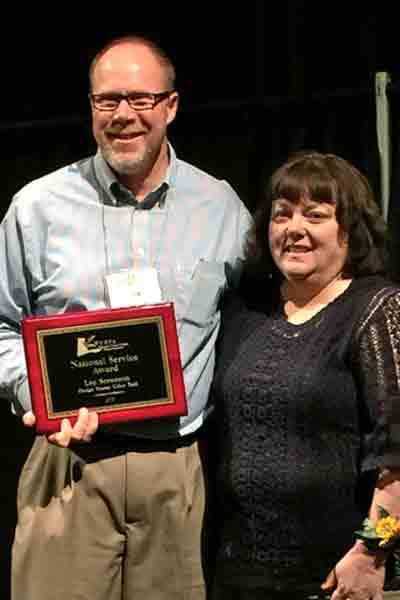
x: 324, y: 178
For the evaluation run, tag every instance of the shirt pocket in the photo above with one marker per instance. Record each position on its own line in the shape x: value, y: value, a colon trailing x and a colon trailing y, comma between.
x: 201, y: 292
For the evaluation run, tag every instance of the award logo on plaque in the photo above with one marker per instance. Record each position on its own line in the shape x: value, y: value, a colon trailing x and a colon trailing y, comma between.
x: 123, y: 363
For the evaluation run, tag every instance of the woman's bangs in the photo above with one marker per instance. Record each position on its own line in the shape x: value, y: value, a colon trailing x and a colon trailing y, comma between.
x: 314, y: 186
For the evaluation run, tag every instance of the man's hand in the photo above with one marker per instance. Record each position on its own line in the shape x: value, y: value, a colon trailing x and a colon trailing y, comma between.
x: 359, y: 575
x: 82, y: 431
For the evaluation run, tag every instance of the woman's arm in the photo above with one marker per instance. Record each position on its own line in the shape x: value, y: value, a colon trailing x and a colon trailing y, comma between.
x: 360, y: 574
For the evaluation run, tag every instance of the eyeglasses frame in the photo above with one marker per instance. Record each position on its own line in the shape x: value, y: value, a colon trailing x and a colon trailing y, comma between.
x: 156, y: 98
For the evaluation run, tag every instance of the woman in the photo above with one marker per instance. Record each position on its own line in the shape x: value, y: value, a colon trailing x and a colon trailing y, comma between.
x: 308, y: 384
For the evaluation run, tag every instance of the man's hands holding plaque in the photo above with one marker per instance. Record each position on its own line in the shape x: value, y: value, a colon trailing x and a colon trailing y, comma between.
x: 83, y: 429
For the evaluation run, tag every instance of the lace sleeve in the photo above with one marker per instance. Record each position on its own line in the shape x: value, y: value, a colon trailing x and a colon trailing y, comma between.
x: 376, y: 359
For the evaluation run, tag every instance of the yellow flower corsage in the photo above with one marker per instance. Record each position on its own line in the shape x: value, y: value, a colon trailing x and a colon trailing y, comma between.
x: 384, y: 534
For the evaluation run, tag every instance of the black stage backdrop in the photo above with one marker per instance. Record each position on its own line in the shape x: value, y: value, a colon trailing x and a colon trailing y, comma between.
x: 257, y: 83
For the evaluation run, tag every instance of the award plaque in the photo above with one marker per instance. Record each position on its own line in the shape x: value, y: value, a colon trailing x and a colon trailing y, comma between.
x: 123, y: 363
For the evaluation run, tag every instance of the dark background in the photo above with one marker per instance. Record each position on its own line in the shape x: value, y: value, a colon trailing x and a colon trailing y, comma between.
x: 258, y: 80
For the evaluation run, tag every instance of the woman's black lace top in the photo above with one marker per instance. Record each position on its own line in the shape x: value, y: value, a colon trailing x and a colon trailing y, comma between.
x: 307, y: 414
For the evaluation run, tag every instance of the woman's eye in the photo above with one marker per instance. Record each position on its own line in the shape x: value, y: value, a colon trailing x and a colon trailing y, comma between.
x: 279, y: 216
x: 316, y: 215
x: 280, y: 212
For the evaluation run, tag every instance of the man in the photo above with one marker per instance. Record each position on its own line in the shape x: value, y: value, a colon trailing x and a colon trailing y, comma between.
x: 117, y: 512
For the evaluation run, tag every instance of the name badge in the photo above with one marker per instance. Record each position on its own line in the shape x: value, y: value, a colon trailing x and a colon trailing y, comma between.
x: 133, y: 288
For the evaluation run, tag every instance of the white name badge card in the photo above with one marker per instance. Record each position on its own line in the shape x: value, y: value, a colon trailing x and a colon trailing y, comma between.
x: 133, y: 288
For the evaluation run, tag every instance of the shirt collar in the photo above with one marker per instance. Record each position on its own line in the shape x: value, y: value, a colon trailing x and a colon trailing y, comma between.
x: 117, y: 194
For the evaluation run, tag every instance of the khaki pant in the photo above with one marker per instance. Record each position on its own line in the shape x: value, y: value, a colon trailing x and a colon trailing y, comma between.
x: 121, y: 527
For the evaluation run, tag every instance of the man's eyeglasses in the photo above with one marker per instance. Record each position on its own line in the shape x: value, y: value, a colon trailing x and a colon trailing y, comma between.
x: 137, y: 100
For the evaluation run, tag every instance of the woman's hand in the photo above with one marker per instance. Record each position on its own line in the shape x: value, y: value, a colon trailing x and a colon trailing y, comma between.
x: 359, y: 575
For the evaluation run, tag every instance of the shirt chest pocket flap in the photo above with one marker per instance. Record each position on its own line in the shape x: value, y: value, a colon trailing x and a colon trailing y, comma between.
x: 204, y: 291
